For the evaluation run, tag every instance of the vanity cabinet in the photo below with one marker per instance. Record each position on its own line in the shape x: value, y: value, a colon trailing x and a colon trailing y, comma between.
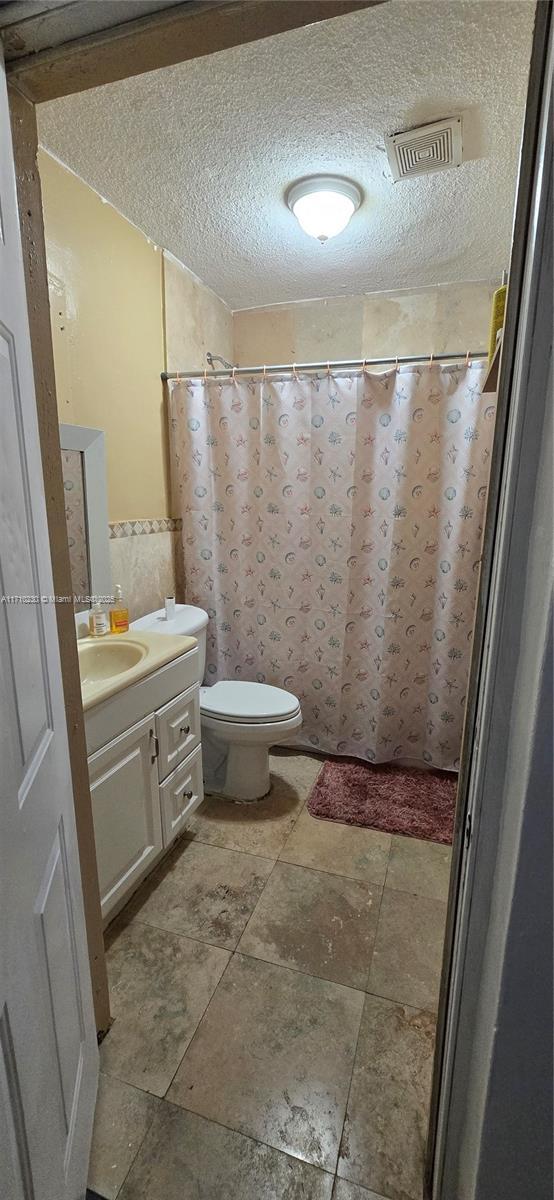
x: 126, y: 811
x: 178, y: 730
x: 146, y: 781
x: 180, y: 795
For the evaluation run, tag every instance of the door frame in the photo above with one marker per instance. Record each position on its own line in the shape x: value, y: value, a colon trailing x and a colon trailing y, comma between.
x: 205, y: 29
x: 483, y: 798
x: 161, y: 39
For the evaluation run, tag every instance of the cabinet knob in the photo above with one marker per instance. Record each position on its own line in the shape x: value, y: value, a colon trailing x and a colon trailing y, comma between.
x: 185, y: 729
x: 188, y: 795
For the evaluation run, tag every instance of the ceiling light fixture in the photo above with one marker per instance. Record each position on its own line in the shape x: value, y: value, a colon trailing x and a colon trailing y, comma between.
x: 323, y: 204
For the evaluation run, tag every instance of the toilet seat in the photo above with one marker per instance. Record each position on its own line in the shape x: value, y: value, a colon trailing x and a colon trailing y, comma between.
x: 237, y: 702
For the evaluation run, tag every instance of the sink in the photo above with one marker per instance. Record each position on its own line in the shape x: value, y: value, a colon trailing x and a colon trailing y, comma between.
x: 116, y: 661
x: 104, y: 660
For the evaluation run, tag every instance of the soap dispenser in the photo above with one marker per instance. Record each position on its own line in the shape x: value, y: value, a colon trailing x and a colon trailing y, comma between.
x: 98, y: 621
x: 119, y: 613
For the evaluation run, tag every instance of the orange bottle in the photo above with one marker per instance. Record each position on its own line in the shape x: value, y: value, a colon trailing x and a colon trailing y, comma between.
x: 119, y: 613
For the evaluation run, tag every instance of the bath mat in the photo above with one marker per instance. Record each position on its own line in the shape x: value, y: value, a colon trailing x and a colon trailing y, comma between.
x: 402, y: 800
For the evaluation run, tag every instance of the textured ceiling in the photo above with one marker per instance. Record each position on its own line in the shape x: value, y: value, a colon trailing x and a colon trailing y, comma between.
x: 200, y: 154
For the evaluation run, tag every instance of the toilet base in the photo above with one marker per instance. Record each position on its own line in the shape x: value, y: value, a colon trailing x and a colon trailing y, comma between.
x: 235, y: 772
x: 235, y: 754
x: 247, y: 774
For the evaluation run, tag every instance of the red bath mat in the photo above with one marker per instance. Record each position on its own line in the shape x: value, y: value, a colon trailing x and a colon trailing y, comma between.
x: 394, y: 799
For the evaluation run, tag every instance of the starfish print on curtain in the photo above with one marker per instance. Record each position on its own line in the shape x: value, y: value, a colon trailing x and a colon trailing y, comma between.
x: 332, y: 529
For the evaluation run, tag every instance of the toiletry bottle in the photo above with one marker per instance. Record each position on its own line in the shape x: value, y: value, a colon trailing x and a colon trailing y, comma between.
x: 169, y: 608
x: 98, y: 621
x: 119, y: 613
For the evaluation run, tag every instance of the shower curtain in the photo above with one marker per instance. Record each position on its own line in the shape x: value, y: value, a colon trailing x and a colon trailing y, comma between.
x: 332, y: 529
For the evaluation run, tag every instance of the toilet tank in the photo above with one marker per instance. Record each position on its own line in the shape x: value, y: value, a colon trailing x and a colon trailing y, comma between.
x: 188, y: 621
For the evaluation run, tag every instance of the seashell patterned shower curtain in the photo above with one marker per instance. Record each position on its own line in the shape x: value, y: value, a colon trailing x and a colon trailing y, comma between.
x: 332, y: 528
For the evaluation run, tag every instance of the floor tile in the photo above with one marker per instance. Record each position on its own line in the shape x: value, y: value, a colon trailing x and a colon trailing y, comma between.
x: 186, y: 1157
x: 419, y: 867
x: 296, y: 766
x: 351, y: 1191
x: 407, y: 959
x: 122, y: 1119
x: 160, y: 984
x: 340, y: 849
x: 385, y: 1130
x: 205, y: 892
x: 273, y: 1057
x: 262, y: 826
x: 315, y: 922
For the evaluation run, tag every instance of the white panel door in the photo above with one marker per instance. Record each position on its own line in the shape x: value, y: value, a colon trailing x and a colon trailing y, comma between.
x: 48, y: 1053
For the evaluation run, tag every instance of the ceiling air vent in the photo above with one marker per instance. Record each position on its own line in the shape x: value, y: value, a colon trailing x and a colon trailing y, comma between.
x: 428, y: 148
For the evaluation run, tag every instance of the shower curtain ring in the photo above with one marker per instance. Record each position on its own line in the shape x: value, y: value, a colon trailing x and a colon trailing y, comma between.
x: 328, y: 369
x: 205, y: 380
x: 467, y: 360
x: 396, y: 365
x: 431, y: 360
x: 233, y: 374
x: 265, y: 373
x: 294, y: 372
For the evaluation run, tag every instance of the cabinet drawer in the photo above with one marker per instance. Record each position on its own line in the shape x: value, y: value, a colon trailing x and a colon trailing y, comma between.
x: 178, y: 730
x: 181, y: 794
x: 125, y: 811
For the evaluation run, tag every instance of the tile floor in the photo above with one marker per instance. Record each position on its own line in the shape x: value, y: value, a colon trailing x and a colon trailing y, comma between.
x: 273, y: 987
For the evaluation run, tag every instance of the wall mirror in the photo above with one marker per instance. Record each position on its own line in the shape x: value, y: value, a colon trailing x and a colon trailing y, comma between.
x: 86, y: 512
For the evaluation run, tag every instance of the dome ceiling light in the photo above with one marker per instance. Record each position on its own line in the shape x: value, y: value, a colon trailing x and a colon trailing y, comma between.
x: 323, y: 204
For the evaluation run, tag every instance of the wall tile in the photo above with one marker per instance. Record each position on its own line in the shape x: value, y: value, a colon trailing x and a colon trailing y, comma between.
x: 144, y: 566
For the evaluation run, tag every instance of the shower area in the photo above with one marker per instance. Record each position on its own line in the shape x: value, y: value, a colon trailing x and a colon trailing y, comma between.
x: 332, y: 519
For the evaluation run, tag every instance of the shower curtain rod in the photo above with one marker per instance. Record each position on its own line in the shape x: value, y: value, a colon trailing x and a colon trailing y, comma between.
x: 343, y: 365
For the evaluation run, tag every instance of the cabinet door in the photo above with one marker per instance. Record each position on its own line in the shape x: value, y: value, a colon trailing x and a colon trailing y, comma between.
x: 178, y: 729
x: 125, y: 810
x: 181, y: 794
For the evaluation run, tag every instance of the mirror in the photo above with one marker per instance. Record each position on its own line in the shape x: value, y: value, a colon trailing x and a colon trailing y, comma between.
x: 83, y: 454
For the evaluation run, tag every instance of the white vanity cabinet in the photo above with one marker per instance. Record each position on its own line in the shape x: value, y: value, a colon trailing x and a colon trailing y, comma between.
x: 147, y: 780
x: 126, y: 811
x: 180, y: 795
x: 178, y: 730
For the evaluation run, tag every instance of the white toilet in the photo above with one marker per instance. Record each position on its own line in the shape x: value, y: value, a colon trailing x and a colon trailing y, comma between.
x: 239, y: 721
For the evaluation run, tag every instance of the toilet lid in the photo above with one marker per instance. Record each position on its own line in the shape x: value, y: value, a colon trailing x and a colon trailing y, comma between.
x: 233, y: 700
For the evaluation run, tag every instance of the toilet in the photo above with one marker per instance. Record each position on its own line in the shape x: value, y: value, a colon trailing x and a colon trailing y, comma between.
x: 240, y: 721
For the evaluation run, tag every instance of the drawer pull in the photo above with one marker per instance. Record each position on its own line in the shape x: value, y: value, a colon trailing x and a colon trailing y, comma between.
x: 185, y: 729
x: 188, y: 795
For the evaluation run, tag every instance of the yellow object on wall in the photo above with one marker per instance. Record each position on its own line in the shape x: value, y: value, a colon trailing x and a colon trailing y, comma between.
x: 107, y: 322
x: 497, y: 317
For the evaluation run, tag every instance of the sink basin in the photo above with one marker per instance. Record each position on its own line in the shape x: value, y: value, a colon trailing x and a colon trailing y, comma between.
x: 105, y: 660
x: 116, y: 661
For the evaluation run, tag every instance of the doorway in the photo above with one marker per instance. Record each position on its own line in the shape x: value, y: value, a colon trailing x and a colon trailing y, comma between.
x: 344, y: 1186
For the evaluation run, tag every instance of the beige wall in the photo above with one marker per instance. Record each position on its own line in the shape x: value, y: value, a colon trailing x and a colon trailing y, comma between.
x: 106, y: 305
x: 196, y: 320
x: 450, y: 317
x: 121, y: 312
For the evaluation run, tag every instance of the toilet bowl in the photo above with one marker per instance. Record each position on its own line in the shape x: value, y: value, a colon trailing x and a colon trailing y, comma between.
x: 240, y: 720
